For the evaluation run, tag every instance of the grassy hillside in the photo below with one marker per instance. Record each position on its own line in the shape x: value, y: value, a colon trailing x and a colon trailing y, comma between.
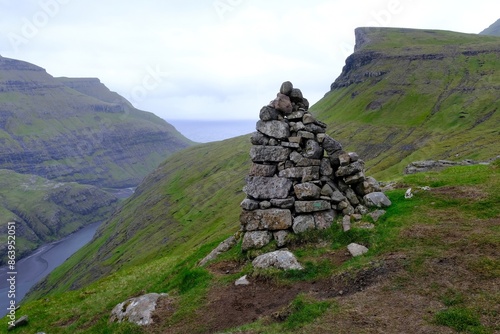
x: 45, y: 210
x: 432, y: 267
x: 409, y: 95
x: 77, y: 130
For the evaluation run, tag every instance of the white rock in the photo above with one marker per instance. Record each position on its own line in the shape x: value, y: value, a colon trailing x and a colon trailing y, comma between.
x: 136, y: 310
x: 357, y: 250
x: 242, y: 281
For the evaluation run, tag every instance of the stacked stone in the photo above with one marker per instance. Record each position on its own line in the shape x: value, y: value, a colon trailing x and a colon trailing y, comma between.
x: 293, y: 186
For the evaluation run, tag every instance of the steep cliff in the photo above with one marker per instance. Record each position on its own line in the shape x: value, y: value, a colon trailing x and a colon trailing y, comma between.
x: 77, y: 130
x: 407, y: 95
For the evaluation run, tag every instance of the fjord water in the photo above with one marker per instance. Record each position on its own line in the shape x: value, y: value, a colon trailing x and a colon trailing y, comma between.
x: 202, y: 131
x: 30, y: 270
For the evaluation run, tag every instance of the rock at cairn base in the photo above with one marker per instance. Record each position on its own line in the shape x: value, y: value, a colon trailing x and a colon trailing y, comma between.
x: 301, y: 179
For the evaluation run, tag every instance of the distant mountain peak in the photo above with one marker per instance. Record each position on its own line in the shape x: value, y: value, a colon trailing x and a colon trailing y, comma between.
x: 493, y: 30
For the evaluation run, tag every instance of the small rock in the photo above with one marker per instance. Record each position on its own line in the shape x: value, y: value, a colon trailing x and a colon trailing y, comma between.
x: 255, y: 239
x: 249, y: 205
x: 282, y: 103
x: 357, y: 250
x: 221, y: 248
x: 303, y: 223
x: 296, y: 95
x: 286, y: 88
x: 377, y: 214
x: 22, y: 321
x: 242, y: 281
x: 281, y: 238
x: 281, y: 259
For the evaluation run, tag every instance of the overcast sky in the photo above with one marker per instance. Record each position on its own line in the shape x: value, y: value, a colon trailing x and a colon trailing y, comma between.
x: 212, y: 59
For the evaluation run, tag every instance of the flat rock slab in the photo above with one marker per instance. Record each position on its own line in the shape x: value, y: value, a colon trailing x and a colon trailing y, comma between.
x: 260, y: 187
x: 357, y: 250
x: 269, y: 219
x: 136, y: 310
x: 312, y: 206
x: 260, y: 153
x: 281, y: 259
x: 377, y: 199
x: 274, y: 129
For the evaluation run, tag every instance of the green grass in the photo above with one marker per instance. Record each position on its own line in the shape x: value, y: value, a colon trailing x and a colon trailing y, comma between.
x: 461, y: 320
x: 304, y: 310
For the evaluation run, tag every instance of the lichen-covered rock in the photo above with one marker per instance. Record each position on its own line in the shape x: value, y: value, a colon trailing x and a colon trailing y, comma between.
x: 256, y: 240
x: 281, y: 259
x: 260, y: 187
x: 303, y: 223
x: 270, y: 219
x: 292, y: 173
x: 377, y: 199
x: 138, y: 310
x: 221, y: 248
x: 307, y: 190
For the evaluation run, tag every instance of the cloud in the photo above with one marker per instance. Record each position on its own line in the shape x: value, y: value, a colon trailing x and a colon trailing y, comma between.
x: 219, y: 59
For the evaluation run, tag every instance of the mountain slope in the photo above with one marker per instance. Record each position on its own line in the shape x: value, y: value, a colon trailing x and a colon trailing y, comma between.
x: 194, y: 196
x: 408, y: 95
x: 493, y: 30
x: 415, y: 84
x: 45, y: 210
x: 77, y: 130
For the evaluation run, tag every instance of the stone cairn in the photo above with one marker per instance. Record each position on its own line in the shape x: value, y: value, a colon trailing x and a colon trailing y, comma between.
x: 293, y: 186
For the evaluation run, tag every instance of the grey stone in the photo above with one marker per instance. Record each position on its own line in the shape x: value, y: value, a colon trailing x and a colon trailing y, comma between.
x: 357, y: 217
x: 269, y: 153
x: 308, y: 118
x: 303, y: 223
x: 242, y: 281
x: 361, y: 209
x: 270, y: 219
x: 296, y: 95
x: 331, y: 145
x: 275, y: 129
x: 221, y: 248
x: 348, y: 211
x: 296, y: 115
x: 326, y: 168
x: 281, y: 238
x: 262, y: 170
x: 286, y: 88
x: 377, y: 214
x: 346, y: 223
x: 262, y: 188
x: 305, y: 134
x: 337, y: 197
x: 350, y: 169
x: 344, y: 159
x: 290, y: 145
x: 369, y: 185
x: 324, y: 219
x: 255, y: 240
x: 281, y: 259
x: 357, y: 250
x: 301, y: 161
x: 327, y: 191
x: 312, y: 206
x: 377, y: 199
x: 286, y: 203
x: 249, y: 205
x: 138, y: 310
x: 300, y: 172
x: 354, y: 179
x: 258, y: 138
x: 320, y: 137
x: 313, y: 150
x: 21, y: 321
x: 315, y: 128
x: 351, y: 196
x: 268, y: 113
x: 307, y: 190
x: 354, y: 156
x: 265, y: 205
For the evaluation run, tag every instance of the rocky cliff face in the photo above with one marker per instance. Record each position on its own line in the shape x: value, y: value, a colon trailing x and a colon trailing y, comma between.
x: 77, y: 130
